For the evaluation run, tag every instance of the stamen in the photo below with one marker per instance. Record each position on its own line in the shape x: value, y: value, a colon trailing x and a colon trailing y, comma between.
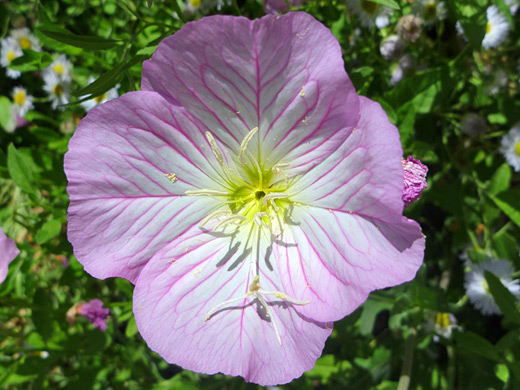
x: 229, y: 219
x: 284, y: 297
x: 264, y: 303
x: 272, y: 196
x: 205, y: 191
x: 258, y: 219
x: 221, y: 305
x: 214, y: 148
x: 245, y: 141
x: 213, y: 215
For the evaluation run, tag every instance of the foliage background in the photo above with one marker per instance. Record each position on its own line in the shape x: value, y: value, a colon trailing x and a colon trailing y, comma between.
x: 472, y: 204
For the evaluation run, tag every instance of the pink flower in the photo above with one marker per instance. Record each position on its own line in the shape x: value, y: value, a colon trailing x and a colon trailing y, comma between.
x: 250, y: 194
x: 414, y: 179
x: 94, y: 312
x: 8, y: 252
x: 279, y: 6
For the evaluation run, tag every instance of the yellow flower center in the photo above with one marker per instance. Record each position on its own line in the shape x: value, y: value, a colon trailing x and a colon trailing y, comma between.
x: 10, y: 56
x: 486, y: 287
x: 442, y: 320
x: 59, y: 69
x: 196, y: 3
x: 100, y: 98
x: 489, y: 26
x: 368, y: 6
x: 58, y: 90
x: 25, y: 43
x: 517, y: 148
x: 19, y: 98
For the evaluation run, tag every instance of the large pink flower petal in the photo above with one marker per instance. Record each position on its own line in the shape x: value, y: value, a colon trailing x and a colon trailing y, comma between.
x: 364, y: 175
x: 283, y: 74
x: 335, y: 259
x: 8, y: 252
x: 181, y: 284
x: 123, y: 209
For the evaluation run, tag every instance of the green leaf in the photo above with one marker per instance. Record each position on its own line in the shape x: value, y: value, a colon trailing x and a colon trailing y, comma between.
x: 108, y: 79
x: 82, y: 41
x: 19, y: 169
x: 131, y: 328
x: 49, y: 229
x: 7, y: 118
x: 477, y: 345
x: 501, y: 180
x: 503, y: 297
x: 421, y: 90
x: 327, y: 366
x: 509, y: 203
x: 475, y: 29
x: 31, y: 61
x: 177, y: 9
x: 387, y: 3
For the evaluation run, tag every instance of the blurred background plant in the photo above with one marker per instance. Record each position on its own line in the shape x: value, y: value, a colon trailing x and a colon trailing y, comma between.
x: 447, y: 74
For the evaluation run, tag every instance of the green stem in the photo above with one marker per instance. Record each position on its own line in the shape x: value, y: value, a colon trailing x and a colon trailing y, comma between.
x: 406, y: 370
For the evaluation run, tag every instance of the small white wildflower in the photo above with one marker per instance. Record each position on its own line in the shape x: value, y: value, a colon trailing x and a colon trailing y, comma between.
x: 510, y: 147
x: 429, y: 10
x: 22, y: 102
x: 58, y: 90
x: 370, y: 14
x: 444, y: 324
x: 513, y: 6
x: 26, y: 40
x: 405, y: 66
x: 497, y: 28
x: 96, y: 101
x: 10, y: 50
x: 477, y: 288
x: 61, y: 66
x: 391, y: 47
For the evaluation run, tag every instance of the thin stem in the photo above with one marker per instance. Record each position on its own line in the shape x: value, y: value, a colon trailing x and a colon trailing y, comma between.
x: 406, y: 370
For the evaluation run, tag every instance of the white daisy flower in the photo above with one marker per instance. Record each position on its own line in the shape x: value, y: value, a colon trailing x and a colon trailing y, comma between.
x: 21, y: 101
x: 58, y: 90
x: 370, y: 14
x: 405, y: 66
x: 25, y: 39
x: 497, y: 28
x: 477, y: 288
x: 429, y: 10
x: 510, y: 147
x: 61, y: 66
x: 96, y: 101
x: 9, y: 51
x: 391, y: 47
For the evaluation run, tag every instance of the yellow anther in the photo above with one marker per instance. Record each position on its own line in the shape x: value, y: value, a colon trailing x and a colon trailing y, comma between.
x: 214, y: 148
x: 302, y: 93
x: 255, y: 284
x: 245, y: 141
x: 171, y: 177
x: 280, y: 295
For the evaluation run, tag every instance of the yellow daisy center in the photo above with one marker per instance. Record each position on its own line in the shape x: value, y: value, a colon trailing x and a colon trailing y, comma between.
x: 19, y: 98
x: 25, y: 43
x: 59, y: 69
x: 10, y: 56
x: 489, y: 26
x: 58, y: 90
x: 100, y: 98
x: 517, y: 148
x: 368, y: 6
x: 486, y: 287
x: 196, y: 3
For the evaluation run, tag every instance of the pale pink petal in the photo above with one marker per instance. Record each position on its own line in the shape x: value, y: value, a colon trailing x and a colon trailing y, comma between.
x: 123, y: 209
x: 199, y: 270
x: 364, y: 175
x: 335, y: 259
x: 284, y: 75
x: 8, y: 252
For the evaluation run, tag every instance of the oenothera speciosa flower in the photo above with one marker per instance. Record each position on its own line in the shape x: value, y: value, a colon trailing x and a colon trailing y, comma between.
x: 249, y: 193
